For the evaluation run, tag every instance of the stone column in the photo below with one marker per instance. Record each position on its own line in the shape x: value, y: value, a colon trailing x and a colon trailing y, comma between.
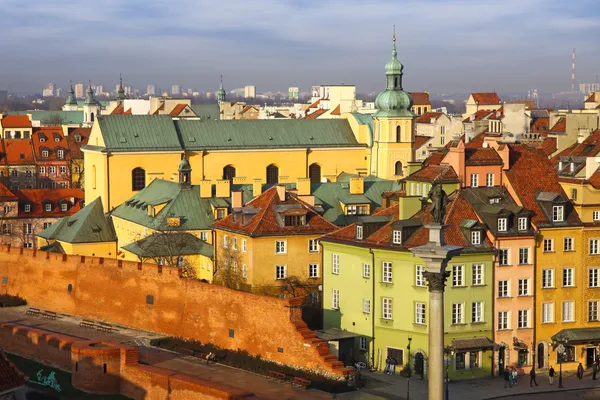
x: 436, y: 255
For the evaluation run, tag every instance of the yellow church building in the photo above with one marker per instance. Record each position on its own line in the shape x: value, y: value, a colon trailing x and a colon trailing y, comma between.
x: 127, y: 152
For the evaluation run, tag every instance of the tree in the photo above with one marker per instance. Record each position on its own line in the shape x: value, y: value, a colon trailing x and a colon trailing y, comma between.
x: 53, y: 120
x: 228, y: 270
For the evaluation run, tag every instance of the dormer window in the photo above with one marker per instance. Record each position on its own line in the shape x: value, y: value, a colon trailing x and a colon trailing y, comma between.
x: 572, y: 167
x: 63, y: 207
x: 27, y: 207
x: 359, y: 232
x: 56, y: 139
x: 42, y: 140
x: 502, y: 224
x: 523, y: 225
x: 558, y: 213
x: 77, y: 138
x: 47, y: 207
x: 475, y: 237
x: 294, y: 220
x: 45, y: 153
x: 60, y: 154
x: 560, y: 165
x: 494, y: 200
x: 221, y: 213
x: 397, y: 237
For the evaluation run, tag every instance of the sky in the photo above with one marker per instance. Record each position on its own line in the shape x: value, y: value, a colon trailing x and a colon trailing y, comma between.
x: 445, y: 45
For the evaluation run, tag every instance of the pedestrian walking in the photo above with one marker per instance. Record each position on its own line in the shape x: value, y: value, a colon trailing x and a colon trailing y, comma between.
x: 393, y: 363
x: 388, y: 364
x: 594, y: 370
x: 532, y: 377
x: 551, y: 375
x: 514, y: 376
x: 580, y: 371
x: 507, y: 377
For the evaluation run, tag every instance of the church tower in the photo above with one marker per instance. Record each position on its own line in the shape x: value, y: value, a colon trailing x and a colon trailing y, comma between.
x: 185, y: 174
x: 221, y: 92
x: 71, y: 103
x: 91, y: 107
x: 393, y: 144
x: 120, y: 92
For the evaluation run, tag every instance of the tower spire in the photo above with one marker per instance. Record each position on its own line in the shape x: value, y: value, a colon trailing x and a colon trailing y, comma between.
x: 120, y: 91
x: 221, y: 92
x: 394, y: 52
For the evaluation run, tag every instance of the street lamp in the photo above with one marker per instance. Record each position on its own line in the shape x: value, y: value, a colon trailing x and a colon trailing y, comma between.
x: 409, y: 370
x: 559, y: 344
x: 449, y: 352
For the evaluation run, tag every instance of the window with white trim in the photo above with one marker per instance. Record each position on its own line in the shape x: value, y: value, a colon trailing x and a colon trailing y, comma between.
x: 47, y: 207
x: 359, y: 232
x: 420, y: 313
x: 502, y: 224
x: 477, y: 274
x: 458, y: 275
x: 52, y: 170
x: 558, y: 213
x: 204, y: 236
x: 596, y: 215
x: 489, y: 180
x: 419, y: 277
x: 457, y: 313
x: 335, y: 264
x: 522, y: 225
x: 366, y: 306
x: 503, y: 320
x: 335, y: 299
x: 523, y: 287
x: 313, y: 271
x: 568, y: 244
x: 44, y: 153
x: 503, y: 288
x: 568, y: 308
x: 477, y: 312
x: 503, y: 257
x: 474, y: 180
x: 225, y: 241
x: 244, y: 244
x: 593, y: 278
x: 313, y: 245
x: 366, y: 271
x: 244, y: 271
x: 280, y: 272
x: 280, y: 247
x: 386, y: 310
x: 387, y: 271
x: 362, y: 343
x: 594, y: 247
x: 548, y: 245
x: 523, y: 319
x: 593, y: 310
x: 547, y: 278
x: 568, y: 277
x: 28, y: 228
x: 397, y: 237
x: 523, y: 255
x: 547, y: 313
x: 234, y: 243
x: 475, y: 237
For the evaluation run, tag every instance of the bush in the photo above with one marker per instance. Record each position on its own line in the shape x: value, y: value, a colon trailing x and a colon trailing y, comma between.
x: 6, y: 300
x: 243, y: 360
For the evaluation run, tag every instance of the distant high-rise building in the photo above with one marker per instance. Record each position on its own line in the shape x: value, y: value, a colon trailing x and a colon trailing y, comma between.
x: 99, y: 90
x: 47, y: 93
x: 150, y: 90
x: 250, y: 92
x: 175, y: 90
x: 128, y: 90
x: 587, y: 88
x: 51, y: 86
x: 58, y: 92
x: 79, y: 90
x: 293, y: 93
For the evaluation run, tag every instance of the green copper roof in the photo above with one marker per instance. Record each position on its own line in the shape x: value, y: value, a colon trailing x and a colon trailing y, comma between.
x: 394, y: 67
x: 88, y: 225
x: 139, y: 132
x: 120, y: 90
x: 207, y: 111
x: 169, y: 244
x: 68, y: 117
x: 71, y: 100
x: 90, y: 100
x: 195, y: 213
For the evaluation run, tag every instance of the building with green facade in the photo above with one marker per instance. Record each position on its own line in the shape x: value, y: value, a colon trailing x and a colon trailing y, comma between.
x: 375, y: 296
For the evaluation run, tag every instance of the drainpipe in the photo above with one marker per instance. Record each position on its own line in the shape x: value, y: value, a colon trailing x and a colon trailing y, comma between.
x: 534, y: 345
x: 108, y: 186
x: 373, y: 309
x: 307, y: 172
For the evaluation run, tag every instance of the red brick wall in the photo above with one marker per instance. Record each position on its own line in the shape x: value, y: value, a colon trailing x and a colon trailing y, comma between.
x: 116, y: 291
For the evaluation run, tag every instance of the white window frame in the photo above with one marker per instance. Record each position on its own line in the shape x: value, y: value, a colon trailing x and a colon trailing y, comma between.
x: 596, y: 215
x: 548, y: 245
x: 558, y: 213
x: 568, y: 243
x: 475, y: 237
x: 593, y: 308
x: 225, y: 241
x: 594, y: 247
x: 477, y: 275
x: 244, y: 245
x: 503, y: 320
x: 420, y: 313
x: 477, y: 312
x: 62, y: 169
x: 45, y: 153
x: 397, y: 237
x: 548, y: 274
x: 28, y: 228
x: 523, y: 287
x: 366, y: 306
x: 503, y: 261
x: 522, y: 225
x: 503, y: 288
x: 502, y: 224
x: 524, y: 256
x: 362, y: 343
x: 548, y: 313
x: 313, y: 245
x: 419, y: 277
x: 244, y: 271
x: 523, y: 319
x: 280, y: 272
x: 52, y: 170
x: 281, y: 247
x: 489, y: 180
x: 458, y: 310
x: 359, y: 232
x: 366, y: 271
x: 458, y: 276
x: 63, y: 207
x: 48, y: 207
x: 313, y: 270
x: 474, y: 180
x: 387, y: 308
x: 569, y: 315
x: 234, y: 243
x: 568, y: 277
x: 335, y: 299
x: 335, y: 264
x: 386, y: 272
x: 593, y: 274
x: 42, y: 170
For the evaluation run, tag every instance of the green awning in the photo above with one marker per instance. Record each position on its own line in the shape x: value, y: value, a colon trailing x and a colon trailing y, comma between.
x: 578, y: 335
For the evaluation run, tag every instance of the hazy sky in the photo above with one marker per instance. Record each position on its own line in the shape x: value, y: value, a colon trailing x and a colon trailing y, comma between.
x: 445, y: 45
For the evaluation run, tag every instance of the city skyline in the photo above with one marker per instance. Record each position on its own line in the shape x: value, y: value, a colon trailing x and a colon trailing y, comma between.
x: 505, y: 47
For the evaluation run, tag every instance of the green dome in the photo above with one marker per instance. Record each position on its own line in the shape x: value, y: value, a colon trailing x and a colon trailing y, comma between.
x: 394, y: 100
x: 394, y: 67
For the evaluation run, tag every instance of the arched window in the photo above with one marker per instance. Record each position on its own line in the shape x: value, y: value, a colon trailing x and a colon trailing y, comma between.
x: 398, y: 134
x: 272, y: 174
x: 314, y: 173
x: 229, y: 172
x: 138, y: 179
x: 398, y: 168
x: 92, y: 116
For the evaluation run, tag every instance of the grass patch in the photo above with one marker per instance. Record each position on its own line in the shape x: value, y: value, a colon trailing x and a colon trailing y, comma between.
x: 242, y: 360
x: 6, y: 300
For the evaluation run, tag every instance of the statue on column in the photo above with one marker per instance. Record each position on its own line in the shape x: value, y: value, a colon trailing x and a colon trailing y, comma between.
x: 439, y: 200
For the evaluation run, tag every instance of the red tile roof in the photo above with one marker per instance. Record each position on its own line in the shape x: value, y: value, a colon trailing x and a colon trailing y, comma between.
x: 128, y: 112
x: 482, y: 156
x: 435, y: 157
x: 591, y: 99
x: 548, y: 145
x: 19, y: 152
x: 119, y: 109
x: 560, y: 126
x: 315, y: 104
x: 530, y: 173
x: 427, y: 117
x: 35, y: 197
x: 590, y: 147
x: 595, y: 179
x: 267, y: 220
x: 315, y: 114
x: 420, y: 98
x: 477, y: 141
x: 15, y: 121
x: 421, y: 140
x: 486, y: 98
x: 10, y: 376
x: 478, y: 115
x: 180, y: 107
x: 75, y: 146
x: 438, y: 173
x: 51, y: 139
x: 7, y: 195
x: 336, y: 111
x: 540, y: 125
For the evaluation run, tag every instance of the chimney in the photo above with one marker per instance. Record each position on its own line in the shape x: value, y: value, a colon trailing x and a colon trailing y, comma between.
x: 205, y: 189
x: 257, y: 188
x: 223, y: 188
x: 503, y: 151
x: 456, y: 159
x: 310, y: 200
x: 237, y: 199
x: 280, y: 192
x: 303, y: 186
x: 357, y: 185
x: 72, y: 199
